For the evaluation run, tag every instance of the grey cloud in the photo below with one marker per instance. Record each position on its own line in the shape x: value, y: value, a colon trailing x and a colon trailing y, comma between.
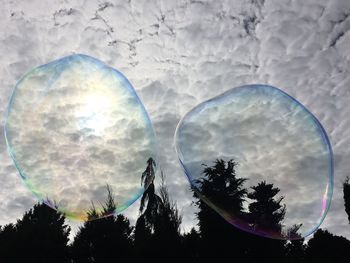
x: 104, y: 156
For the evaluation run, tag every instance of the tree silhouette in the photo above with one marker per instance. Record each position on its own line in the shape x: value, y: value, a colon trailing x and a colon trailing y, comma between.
x: 148, y: 175
x: 326, y: 247
x: 150, y: 201
x: 220, y: 241
x: 265, y: 216
x: 295, y: 249
x: 191, y: 244
x: 40, y: 236
x: 266, y: 213
x: 142, y: 240
x: 346, y: 192
x: 158, y: 225
x: 103, y: 239
x: 221, y: 185
x: 169, y: 219
x: 8, y: 243
x: 166, y: 236
x: 149, y: 210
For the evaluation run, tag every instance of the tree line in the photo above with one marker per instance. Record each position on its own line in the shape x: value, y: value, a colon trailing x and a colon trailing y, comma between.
x: 42, y: 234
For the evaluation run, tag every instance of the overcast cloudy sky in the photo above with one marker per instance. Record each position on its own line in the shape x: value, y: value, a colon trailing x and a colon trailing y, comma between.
x: 180, y: 53
x: 88, y: 129
x: 273, y: 139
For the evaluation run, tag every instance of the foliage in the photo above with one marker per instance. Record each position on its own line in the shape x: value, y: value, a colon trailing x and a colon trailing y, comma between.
x: 41, y: 235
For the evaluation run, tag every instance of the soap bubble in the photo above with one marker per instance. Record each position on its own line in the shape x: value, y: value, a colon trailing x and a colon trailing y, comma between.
x: 260, y: 159
x: 77, y: 130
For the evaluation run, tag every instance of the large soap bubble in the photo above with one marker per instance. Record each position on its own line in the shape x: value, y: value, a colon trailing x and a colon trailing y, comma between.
x: 76, y: 131
x: 260, y: 159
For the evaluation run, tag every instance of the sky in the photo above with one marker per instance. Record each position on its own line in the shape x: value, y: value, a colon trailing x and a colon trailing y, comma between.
x: 177, y: 54
x: 88, y: 130
x: 273, y: 139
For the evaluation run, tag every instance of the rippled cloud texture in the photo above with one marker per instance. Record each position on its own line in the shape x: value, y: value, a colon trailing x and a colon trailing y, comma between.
x: 88, y: 129
x: 273, y: 139
x: 180, y: 53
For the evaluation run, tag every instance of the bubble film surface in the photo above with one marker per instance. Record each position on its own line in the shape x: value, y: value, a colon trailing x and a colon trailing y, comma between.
x: 260, y: 159
x: 75, y: 127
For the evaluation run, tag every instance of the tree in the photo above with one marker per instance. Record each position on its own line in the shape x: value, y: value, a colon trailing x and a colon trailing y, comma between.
x: 142, y: 239
x: 265, y: 216
x: 169, y: 219
x: 166, y: 236
x: 326, y: 247
x: 40, y: 236
x: 265, y: 213
x: 346, y: 192
x: 158, y: 226
x: 150, y: 201
x: 149, y: 210
x: 8, y: 246
x: 295, y: 249
x: 103, y: 239
x: 191, y: 243
x: 220, y: 184
x: 220, y: 241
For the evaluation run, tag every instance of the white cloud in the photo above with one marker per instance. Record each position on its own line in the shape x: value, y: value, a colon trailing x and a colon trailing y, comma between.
x: 98, y: 106
x: 271, y: 137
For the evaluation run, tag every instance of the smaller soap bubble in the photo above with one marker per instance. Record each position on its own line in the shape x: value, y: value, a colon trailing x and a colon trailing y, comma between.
x: 78, y: 134
x: 260, y: 159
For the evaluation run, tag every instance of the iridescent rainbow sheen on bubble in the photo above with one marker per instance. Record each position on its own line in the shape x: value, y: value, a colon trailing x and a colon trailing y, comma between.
x: 75, y: 126
x: 274, y: 138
